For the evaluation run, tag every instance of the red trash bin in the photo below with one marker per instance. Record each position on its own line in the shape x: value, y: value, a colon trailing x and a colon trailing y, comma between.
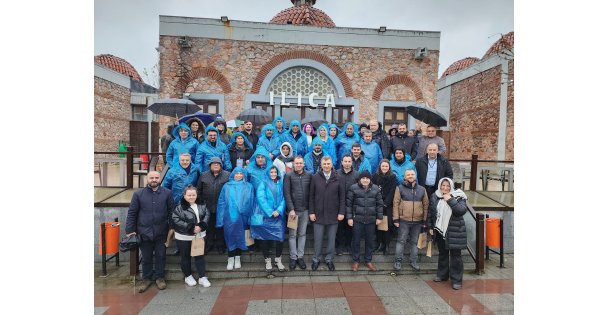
x: 144, y: 161
x: 112, y: 237
x: 493, y: 232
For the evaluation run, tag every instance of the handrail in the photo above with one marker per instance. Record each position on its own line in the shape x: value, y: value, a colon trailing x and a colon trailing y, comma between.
x: 478, y: 252
x: 130, y: 157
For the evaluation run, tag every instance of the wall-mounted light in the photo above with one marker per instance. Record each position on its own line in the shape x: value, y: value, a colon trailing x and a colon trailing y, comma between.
x: 224, y: 19
x: 382, y: 29
x: 185, y: 42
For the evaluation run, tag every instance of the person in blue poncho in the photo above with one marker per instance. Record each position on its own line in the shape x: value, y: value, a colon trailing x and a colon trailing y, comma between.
x: 329, y: 145
x: 234, y: 208
x: 334, y: 131
x: 183, y: 142
x: 401, y: 162
x: 346, y: 139
x: 312, y: 159
x: 270, y: 140
x: 258, y: 166
x: 211, y: 147
x: 280, y: 126
x: 371, y: 150
x: 240, y: 150
x: 360, y: 162
x: 267, y: 221
x: 296, y: 138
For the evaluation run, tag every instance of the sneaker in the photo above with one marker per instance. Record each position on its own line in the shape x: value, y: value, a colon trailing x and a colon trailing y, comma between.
x: 268, y: 264
x: 397, y: 266
x: 415, y: 266
x: 204, y: 282
x: 230, y: 264
x: 292, y: 264
x: 144, y: 285
x: 237, y: 262
x: 279, y: 264
x: 301, y: 263
x: 190, y: 281
x: 161, y: 284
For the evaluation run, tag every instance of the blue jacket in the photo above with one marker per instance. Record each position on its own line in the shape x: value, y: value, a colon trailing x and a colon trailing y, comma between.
x: 309, y: 159
x: 363, y: 165
x: 285, y: 129
x: 234, y: 207
x: 337, y: 129
x: 400, y: 168
x: 256, y: 173
x: 177, y: 179
x: 300, y: 145
x: 149, y: 213
x: 269, y: 197
x: 179, y: 146
x: 206, y: 151
x: 373, y: 154
x: 344, y: 142
x: 329, y: 146
x: 271, y: 145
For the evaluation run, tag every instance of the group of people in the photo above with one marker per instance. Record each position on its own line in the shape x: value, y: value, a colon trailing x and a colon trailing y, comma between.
x: 342, y: 182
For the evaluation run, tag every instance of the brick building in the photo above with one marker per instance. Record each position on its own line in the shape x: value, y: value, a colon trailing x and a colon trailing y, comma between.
x: 298, y: 65
x: 478, y: 95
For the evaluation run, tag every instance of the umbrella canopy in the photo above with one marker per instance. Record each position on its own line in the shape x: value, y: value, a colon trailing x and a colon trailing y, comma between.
x: 315, y: 121
x: 256, y: 115
x: 427, y: 115
x: 174, y: 107
x: 204, y: 117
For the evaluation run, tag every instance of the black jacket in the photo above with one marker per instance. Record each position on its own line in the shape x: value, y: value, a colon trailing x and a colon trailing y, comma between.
x: 364, y: 205
x: 149, y: 213
x: 456, y: 235
x: 327, y: 198
x: 236, y: 154
x: 383, y: 141
x: 387, y: 184
x: 296, y: 189
x: 444, y: 169
x: 409, y: 144
x: 253, y: 139
x: 347, y: 180
x: 183, y: 219
x: 209, y: 187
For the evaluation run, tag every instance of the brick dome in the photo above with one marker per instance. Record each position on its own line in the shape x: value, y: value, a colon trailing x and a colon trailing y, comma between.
x: 303, y: 13
x: 119, y: 65
x: 505, y: 41
x: 460, y: 64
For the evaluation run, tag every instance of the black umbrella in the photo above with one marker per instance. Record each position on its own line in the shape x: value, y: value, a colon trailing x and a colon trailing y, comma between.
x: 256, y: 115
x: 315, y: 121
x: 427, y: 114
x: 174, y: 107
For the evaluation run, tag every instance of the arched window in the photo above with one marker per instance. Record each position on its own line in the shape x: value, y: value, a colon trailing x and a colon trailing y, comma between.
x: 303, y: 80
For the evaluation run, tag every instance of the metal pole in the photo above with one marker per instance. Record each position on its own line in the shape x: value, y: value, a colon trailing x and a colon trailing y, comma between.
x: 479, y: 264
x: 502, y: 245
x: 487, y: 248
x: 473, y: 184
x: 103, y: 249
x: 118, y: 252
x: 129, y: 167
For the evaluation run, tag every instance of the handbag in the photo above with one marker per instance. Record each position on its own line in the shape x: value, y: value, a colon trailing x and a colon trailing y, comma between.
x: 383, y: 226
x: 422, y: 240
x: 128, y: 243
x: 292, y: 223
x: 248, y: 240
x: 198, y: 246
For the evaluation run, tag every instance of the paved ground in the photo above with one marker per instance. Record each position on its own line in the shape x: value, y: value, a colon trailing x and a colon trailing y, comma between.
x: 490, y: 293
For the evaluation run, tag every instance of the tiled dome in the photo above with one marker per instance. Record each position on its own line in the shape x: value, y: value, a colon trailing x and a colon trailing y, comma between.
x: 460, y: 64
x: 505, y: 41
x: 303, y: 13
x: 119, y: 65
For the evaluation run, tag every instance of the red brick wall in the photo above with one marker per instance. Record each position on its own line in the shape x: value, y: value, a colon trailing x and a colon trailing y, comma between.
x: 112, y: 114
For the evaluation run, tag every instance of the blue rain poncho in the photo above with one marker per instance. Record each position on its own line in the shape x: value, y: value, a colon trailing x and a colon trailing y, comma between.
x: 177, y: 179
x: 399, y: 168
x: 344, y: 142
x: 274, y: 125
x: 329, y: 146
x: 309, y: 159
x: 269, y: 197
x: 234, y: 208
x: 334, y: 126
x: 300, y: 146
x: 373, y: 153
x: 206, y: 151
x: 363, y: 165
x: 272, y: 144
x: 257, y: 173
x: 179, y: 146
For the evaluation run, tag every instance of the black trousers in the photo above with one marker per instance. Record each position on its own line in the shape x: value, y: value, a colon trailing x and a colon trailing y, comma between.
x: 215, y: 236
x: 235, y: 252
x: 450, y: 261
x: 186, y: 259
x: 386, y: 236
x: 265, y: 245
x: 345, y: 235
x: 153, y: 259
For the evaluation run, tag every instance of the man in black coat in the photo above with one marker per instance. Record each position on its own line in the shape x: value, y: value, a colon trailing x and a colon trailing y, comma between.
x: 208, y: 188
x: 296, y: 190
x: 347, y: 176
x: 327, y: 208
x: 248, y: 132
x: 148, y: 217
x: 409, y: 144
x: 432, y: 167
x: 381, y: 138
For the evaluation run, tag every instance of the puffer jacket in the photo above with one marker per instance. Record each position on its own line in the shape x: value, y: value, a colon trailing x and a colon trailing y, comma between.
x: 183, y: 218
x: 209, y: 187
x: 456, y: 235
x: 410, y: 203
x: 296, y: 188
x: 364, y: 205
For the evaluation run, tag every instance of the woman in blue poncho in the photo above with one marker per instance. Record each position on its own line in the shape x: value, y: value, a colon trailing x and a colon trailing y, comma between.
x: 183, y: 143
x: 258, y: 166
x: 328, y: 142
x: 234, y: 207
x: 267, y: 221
x: 346, y: 139
x: 270, y: 140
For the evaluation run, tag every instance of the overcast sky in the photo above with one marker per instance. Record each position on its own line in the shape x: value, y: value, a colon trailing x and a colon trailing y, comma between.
x: 129, y: 28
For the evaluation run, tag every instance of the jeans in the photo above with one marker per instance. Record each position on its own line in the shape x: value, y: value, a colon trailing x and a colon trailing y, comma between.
x: 408, y: 231
x: 319, y: 231
x: 153, y: 252
x: 367, y: 231
x: 186, y: 259
x: 297, y: 238
x: 451, y: 258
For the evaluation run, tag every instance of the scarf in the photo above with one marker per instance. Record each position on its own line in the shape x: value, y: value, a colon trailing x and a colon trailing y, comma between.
x: 444, y: 211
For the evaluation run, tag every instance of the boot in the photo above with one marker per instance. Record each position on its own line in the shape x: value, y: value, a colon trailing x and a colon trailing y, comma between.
x: 277, y: 261
x: 230, y: 265
x: 386, y: 248
x: 237, y: 262
x: 381, y: 247
x: 268, y: 264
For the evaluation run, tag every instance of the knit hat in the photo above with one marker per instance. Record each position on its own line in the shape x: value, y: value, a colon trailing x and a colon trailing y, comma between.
x: 216, y: 159
x: 365, y: 174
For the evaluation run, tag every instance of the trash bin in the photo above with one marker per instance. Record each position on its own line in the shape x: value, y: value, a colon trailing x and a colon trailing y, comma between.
x: 144, y: 161
x: 493, y: 232
x: 122, y: 147
x: 112, y: 237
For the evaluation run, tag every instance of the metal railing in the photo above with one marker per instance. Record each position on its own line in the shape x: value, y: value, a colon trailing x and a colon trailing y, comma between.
x: 130, y: 161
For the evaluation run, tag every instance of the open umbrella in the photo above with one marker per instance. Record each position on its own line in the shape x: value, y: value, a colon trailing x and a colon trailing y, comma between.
x: 174, y: 107
x: 427, y: 115
x: 315, y: 121
x: 204, y: 117
x: 256, y: 115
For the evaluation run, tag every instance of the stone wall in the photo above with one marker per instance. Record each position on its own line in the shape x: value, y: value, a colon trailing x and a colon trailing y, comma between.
x: 112, y: 114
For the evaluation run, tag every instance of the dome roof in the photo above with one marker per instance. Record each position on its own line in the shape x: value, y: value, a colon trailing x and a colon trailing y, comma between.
x: 460, y: 64
x: 303, y: 13
x: 505, y: 41
x: 119, y: 65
